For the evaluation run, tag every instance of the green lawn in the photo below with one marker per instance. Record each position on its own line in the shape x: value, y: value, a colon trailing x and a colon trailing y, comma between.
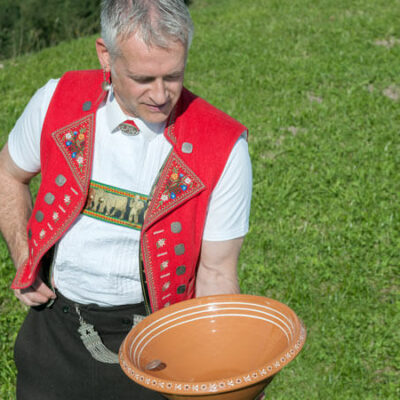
x: 318, y: 84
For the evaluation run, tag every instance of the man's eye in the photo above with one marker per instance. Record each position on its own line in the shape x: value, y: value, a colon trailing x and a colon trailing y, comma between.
x: 173, y: 78
x: 142, y: 80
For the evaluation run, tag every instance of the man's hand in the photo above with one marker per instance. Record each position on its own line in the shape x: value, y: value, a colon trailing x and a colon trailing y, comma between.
x: 37, y: 294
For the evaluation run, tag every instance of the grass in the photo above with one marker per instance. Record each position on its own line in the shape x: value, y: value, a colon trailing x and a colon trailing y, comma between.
x: 318, y: 85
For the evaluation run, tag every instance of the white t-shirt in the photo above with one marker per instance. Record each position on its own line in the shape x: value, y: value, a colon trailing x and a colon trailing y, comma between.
x: 98, y: 262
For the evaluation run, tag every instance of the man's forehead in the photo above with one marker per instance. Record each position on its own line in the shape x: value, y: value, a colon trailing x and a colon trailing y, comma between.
x: 141, y: 59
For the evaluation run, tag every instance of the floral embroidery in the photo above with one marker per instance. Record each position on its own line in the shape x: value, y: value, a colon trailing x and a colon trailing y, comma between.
x: 177, y: 183
x: 67, y: 199
x: 42, y: 234
x: 74, y: 140
x: 164, y: 265
x: 160, y: 243
x: 55, y: 216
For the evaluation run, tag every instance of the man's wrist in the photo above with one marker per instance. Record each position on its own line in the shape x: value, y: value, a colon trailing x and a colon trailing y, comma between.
x: 20, y: 260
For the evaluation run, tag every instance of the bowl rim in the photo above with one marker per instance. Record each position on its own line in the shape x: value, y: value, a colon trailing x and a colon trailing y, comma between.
x: 220, y: 385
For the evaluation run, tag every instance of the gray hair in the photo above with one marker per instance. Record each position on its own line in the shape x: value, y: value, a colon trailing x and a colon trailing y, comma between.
x: 156, y: 22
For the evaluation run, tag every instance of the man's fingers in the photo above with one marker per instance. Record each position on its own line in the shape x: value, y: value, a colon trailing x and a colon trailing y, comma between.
x: 37, y: 294
x: 43, y: 289
x: 30, y: 298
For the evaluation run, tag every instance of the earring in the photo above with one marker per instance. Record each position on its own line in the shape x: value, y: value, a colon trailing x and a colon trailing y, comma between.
x: 106, y: 84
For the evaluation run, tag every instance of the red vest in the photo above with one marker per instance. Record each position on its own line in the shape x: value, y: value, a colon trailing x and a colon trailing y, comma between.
x: 202, y: 138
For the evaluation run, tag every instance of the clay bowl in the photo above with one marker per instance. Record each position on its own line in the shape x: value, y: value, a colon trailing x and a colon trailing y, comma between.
x: 215, y: 348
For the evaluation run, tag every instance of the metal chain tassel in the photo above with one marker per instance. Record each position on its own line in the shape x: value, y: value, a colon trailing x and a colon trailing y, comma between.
x: 93, y: 343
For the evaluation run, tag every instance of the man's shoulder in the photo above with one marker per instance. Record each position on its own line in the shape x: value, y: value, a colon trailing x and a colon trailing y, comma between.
x: 76, y: 88
x: 81, y: 77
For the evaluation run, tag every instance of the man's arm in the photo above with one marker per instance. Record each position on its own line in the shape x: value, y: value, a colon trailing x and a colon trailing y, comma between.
x: 217, y: 271
x: 15, y: 210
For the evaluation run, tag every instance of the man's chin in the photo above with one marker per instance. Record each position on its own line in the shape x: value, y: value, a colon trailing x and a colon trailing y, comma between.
x: 154, y: 117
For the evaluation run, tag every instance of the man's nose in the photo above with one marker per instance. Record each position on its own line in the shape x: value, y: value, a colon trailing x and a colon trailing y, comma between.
x: 159, y: 93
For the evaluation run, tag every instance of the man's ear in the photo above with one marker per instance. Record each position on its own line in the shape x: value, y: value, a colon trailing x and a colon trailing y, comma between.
x: 103, y: 54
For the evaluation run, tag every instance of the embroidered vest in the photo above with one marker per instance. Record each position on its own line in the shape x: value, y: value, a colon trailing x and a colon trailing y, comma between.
x: 202, y: 138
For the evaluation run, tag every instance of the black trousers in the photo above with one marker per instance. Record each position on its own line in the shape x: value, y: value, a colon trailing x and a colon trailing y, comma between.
x: 53, y: 363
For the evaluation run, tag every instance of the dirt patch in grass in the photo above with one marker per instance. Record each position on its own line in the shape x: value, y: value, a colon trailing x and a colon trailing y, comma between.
x: 392, y: 92
x: 314, y: 99
x: 381, y: 375
x: 389, y: 293
x: 388, y: 43
x: 370, y: 88
x: 293, y: 130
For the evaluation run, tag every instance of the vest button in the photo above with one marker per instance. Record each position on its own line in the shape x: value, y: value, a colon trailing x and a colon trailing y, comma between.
x: 187, y: 148
x: 179, y: 249
x: 60, y: 180
x: 39, y: 216
x: 49, y: 198
x: 65, y: 309
x: 87, y: 105
x: 29, y: 234
x: 176, y: 227
x: 181, y: 270
x: 181, y: 289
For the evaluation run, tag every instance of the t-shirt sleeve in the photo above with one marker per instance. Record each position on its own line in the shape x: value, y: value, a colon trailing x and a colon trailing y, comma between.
x: 24, y: 139
x: 229, y: 205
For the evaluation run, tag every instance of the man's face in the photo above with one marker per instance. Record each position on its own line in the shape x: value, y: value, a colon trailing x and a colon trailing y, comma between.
x: 147, y: 81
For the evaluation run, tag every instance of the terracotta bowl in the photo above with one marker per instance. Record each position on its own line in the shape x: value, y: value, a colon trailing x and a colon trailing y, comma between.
x: 219, y: 347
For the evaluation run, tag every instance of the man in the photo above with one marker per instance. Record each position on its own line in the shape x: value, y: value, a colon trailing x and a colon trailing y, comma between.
x: 144, y: 202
